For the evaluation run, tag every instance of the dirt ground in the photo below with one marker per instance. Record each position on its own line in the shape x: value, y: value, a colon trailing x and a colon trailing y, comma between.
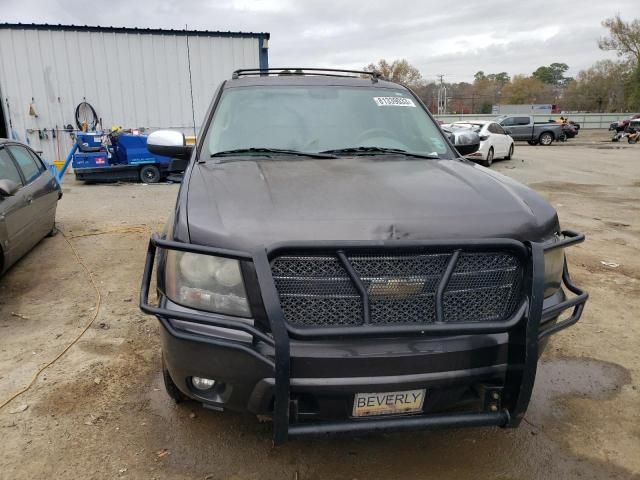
x: 101, y: 411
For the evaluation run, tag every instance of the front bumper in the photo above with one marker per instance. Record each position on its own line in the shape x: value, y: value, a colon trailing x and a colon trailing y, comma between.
x: 305, y: 379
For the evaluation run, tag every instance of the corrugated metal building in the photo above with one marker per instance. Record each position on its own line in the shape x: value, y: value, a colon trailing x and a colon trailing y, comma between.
x: 135, y: 78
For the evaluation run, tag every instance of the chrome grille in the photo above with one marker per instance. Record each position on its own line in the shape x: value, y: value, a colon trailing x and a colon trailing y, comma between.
x: 317, y: 290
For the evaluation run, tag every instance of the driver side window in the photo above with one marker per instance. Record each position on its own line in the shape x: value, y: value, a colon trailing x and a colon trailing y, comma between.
x: 8, y: 169
x: 30, y: 169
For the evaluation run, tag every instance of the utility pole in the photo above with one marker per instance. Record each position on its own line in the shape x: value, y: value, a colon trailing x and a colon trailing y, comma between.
x: 442, y: 96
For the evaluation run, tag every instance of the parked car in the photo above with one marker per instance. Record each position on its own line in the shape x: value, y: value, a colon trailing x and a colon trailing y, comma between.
x: 621, y: 125
x: 630, y: 132
x: 523, y: 127
x: 569, y: 130
x: 29, y: 195
x: 334, y: 264
x: 495, y: 141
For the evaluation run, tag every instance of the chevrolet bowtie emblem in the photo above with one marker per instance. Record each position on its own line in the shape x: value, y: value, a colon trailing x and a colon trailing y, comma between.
x: 395, y: 287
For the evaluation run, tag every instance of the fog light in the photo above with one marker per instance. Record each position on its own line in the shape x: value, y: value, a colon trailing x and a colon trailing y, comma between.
x: 202, y: 384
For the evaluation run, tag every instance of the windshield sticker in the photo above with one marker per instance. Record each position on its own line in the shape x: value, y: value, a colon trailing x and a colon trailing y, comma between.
x: 393, y: 102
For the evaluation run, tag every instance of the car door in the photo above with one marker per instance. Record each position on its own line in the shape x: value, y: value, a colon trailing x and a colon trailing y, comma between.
x: 14, y: 224
x: 522, y: 128
x: 501, y: 138
x: 50, y: 192
x: 509, y: 123
x: 40, y: 190
x: 493, y: 143
x: 518, y: 132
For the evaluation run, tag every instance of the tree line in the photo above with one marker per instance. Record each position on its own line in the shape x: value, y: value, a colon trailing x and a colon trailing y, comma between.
x: 606, y: 86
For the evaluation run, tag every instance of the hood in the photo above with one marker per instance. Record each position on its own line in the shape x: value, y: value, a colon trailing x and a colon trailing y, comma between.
x: 248, y: 204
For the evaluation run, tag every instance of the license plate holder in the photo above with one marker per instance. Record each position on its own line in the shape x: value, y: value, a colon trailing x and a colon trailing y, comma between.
x: 388, y: 403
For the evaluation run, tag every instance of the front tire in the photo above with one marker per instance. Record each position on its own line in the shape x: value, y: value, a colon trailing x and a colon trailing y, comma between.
x: 510, y: 154
x: 546, y: 139
x: 172, y: 390
x: 149, y: 174
x: 489, y: 160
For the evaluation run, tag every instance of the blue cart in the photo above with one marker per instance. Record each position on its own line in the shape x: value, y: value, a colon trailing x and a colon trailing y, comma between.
x: 99, y: 157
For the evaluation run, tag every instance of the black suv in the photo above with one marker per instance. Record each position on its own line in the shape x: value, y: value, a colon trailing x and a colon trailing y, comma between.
x: 333, y: 263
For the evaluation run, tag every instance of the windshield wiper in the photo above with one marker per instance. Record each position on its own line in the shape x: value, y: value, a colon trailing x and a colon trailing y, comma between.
x: 380, y: 151
x: 267, y: 151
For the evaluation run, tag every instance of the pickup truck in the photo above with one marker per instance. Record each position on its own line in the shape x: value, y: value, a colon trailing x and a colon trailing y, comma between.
x: 522, y: 127
x: 334, y: 264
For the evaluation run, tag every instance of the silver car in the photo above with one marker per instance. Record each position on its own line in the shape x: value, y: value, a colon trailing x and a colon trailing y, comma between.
x: 29, y: 195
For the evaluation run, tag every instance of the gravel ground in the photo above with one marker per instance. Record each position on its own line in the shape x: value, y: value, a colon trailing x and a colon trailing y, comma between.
x: 101, y: 412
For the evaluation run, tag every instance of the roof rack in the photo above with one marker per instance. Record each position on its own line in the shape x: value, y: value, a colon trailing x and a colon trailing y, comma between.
x: 328, y: 72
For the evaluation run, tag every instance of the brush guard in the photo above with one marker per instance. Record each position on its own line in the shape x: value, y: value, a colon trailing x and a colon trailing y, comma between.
x: 524, y: 329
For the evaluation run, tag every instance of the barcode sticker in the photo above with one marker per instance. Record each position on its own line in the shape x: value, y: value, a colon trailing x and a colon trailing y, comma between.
x: 393, y: 102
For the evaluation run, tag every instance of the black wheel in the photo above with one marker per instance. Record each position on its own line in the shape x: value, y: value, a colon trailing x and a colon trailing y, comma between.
x: 149, y: 174
x: 86, y: 117
x: 489, y: 160
x: 173, y: 391
x: 510, y: 154
x: 546, y: 139
x: 532, y: 142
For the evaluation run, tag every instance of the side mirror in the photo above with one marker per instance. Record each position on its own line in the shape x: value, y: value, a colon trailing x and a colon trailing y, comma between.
x: 507, y: 131
x: 466, y: 141
x: 8, y: 188
x: 169, y: 143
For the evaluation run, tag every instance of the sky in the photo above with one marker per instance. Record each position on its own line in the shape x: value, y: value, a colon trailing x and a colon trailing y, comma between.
x: 455, y: 38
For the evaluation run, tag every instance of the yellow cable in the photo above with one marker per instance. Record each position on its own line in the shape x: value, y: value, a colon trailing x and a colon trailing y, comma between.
x: 129, y: 229
x: 84, y: 330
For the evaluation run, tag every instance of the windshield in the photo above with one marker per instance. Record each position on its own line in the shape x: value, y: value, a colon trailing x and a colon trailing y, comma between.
x: 315, y: 119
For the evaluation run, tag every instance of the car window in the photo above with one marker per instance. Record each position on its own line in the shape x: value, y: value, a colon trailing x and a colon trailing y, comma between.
x: 319, y: 118
x: 522, y: 120
x: 41, y: 166
x: 507, y: 121
x: 497, y: 129
x: 476, y: 127
x: 26, y: 162
x: 8, y: 169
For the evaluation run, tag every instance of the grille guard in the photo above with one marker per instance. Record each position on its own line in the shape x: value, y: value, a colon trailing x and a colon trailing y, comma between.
x: 440, y: 326
x: 524, y: 327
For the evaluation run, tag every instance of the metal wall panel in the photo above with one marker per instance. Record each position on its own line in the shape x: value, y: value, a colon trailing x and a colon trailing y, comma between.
x: 133, y: 78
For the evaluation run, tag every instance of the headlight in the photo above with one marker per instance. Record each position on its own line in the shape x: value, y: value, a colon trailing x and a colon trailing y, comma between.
x: 553, y: 267
x: 206, y: 282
